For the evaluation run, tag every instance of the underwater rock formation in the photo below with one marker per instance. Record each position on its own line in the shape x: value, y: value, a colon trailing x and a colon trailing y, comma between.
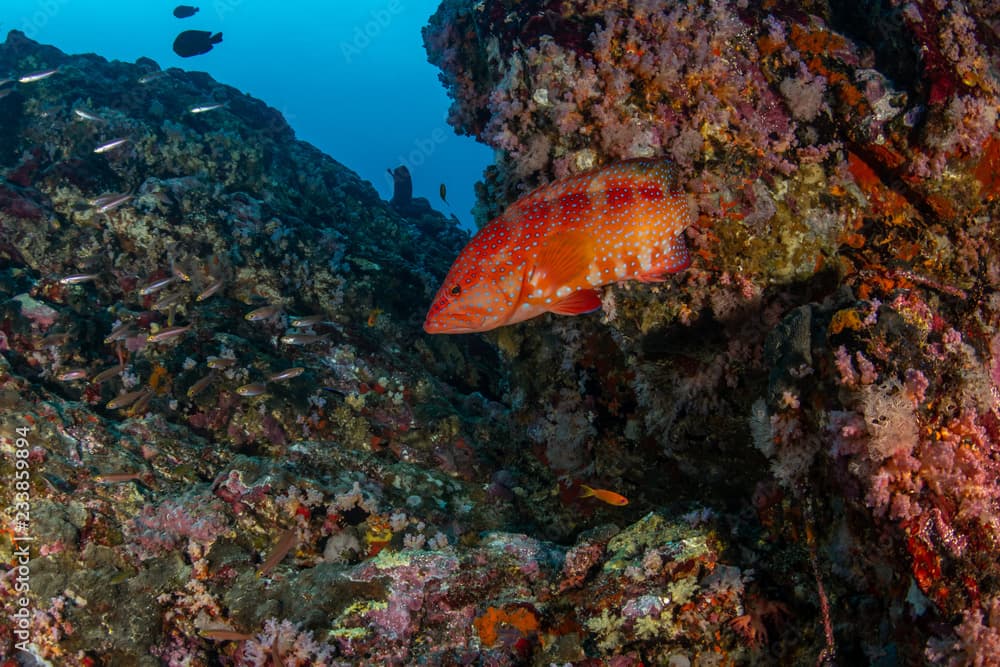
x: 402, y: 201
x: 829, y: 362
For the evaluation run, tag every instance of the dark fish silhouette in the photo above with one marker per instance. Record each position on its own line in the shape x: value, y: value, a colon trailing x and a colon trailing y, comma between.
x: 403, y: 201
x: 195, y: 42
x: 184, y: 11
x: 402, y: 186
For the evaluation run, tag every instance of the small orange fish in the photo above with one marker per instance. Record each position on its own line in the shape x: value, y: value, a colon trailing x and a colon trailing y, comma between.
x: 552, y: 249
x: 609, y: 497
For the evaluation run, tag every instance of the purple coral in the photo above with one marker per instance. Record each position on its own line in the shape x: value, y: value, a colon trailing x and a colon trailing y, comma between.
x: 976, y: 642
x: 197, y: 520
x: 284, y: 643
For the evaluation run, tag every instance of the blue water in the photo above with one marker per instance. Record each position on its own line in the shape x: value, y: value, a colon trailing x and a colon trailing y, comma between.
x: 350, y: 78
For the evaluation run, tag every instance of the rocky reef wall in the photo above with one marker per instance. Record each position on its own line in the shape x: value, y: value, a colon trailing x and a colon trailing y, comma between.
x: 828, y: 365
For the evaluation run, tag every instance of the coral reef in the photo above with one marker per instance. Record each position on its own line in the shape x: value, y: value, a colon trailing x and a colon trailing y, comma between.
x: 829, y: 361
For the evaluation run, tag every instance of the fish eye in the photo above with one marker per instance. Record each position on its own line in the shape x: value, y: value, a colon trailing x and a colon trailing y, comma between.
x: 456, y: 290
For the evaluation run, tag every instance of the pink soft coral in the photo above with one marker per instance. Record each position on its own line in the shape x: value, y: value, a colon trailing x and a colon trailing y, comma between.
x: 977, y: 642
x: 285, y: 643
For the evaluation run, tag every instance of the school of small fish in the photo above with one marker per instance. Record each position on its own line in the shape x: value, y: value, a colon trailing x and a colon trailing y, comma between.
x: 551, y: 250
x: 166, y: 291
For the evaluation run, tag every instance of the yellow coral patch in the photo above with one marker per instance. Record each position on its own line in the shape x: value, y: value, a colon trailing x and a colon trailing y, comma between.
x: 159, y: 380
x: 845, y: 319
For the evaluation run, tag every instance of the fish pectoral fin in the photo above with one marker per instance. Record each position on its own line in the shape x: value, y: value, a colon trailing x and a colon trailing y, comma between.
x: 584, y: 301
x: 674, y: 259
x: 563, y: 260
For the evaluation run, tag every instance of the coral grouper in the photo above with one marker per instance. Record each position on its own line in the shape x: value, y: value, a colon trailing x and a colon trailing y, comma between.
x: 552, y: 249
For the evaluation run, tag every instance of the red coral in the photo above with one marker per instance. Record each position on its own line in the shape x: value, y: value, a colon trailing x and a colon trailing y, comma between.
x: 580, y: 560
x: 752, y: 626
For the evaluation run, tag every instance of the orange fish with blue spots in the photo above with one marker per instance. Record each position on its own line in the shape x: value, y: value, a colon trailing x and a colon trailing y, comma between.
x: 552, y: 249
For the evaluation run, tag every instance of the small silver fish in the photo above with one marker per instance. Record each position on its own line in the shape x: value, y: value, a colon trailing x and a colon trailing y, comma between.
x: 210, y: 290
x: 166, y: 333
x: 121, y: 331
x: 108, y: 373
x: 202, y: 108
x: 111, y: 145
x: 127, y: 399
x: 110, y: 202
x: 139, y: 407
x: 169, y: 300
x: 252, y: 389
x: 301, y: 339
x: 32, y: 77
x: 72, y: 375
x: 200, y: 385
x: 221, y: 362
x: 305, y: 320
x: 152, y: 76
x: 50, y: 111
x: 77, y: 278
x: 225, y: 635
x: 281, y: 549
x: 114, y: 477
x: 156, y: 285
x: 180, y: 273
x: 87, y: 115
x: 54, y: 340
x: 262, y: 313
x: 286, y: 374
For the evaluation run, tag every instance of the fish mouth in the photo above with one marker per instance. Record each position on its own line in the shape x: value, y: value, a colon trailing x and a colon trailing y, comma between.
x: 455, y: 324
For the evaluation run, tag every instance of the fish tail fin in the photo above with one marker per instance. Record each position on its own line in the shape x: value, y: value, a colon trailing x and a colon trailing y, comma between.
x: 216, y: 38
x: 586, y: 491
x: 675, y: 258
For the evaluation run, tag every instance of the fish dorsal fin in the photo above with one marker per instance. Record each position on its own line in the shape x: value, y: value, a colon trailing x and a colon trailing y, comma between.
x: 562, y: 261
x: 584, y: 301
